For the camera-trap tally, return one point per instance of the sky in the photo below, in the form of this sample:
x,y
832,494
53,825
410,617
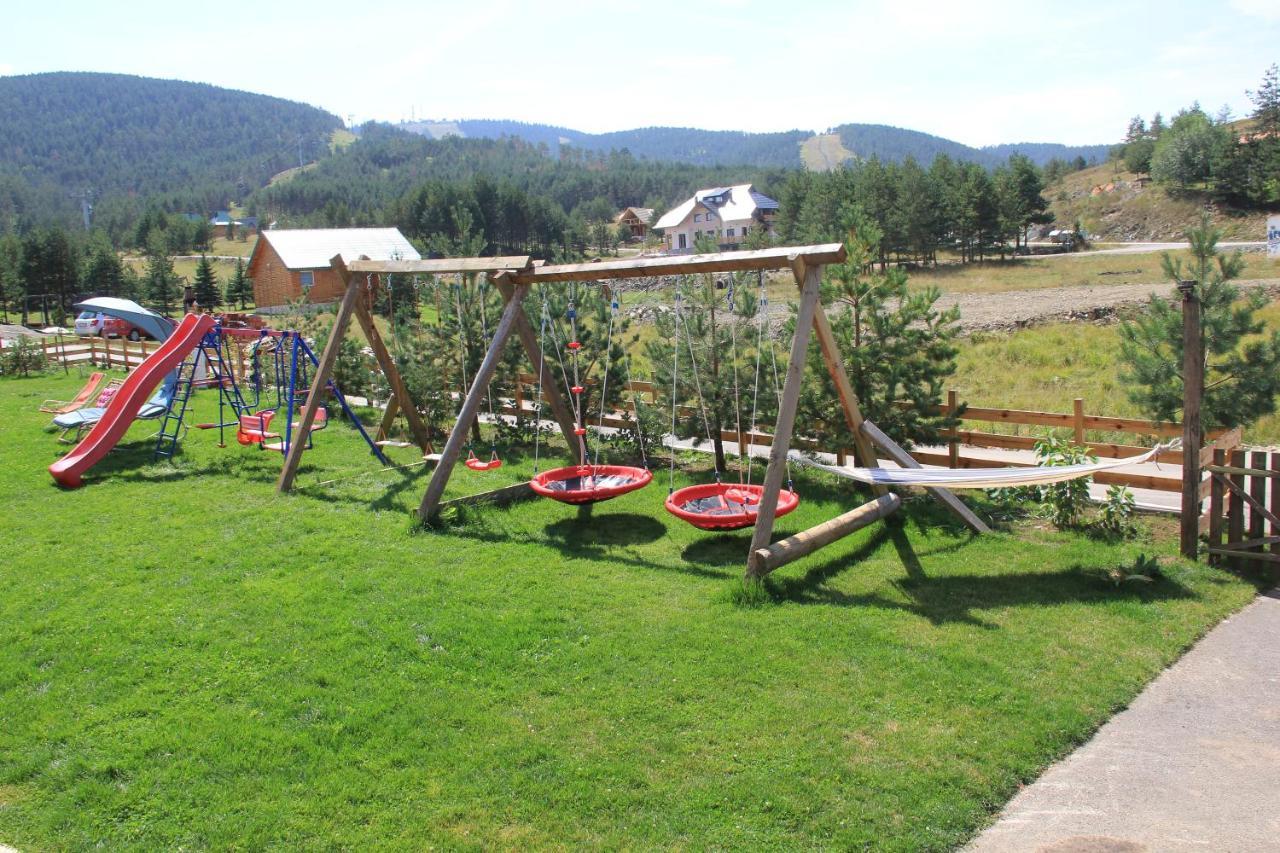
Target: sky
x,y
978,72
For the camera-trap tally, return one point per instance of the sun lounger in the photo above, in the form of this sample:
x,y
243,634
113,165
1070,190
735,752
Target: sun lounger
x,y
61,407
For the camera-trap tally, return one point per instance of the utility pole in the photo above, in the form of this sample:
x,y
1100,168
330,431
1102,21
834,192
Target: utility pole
x,y
1192,392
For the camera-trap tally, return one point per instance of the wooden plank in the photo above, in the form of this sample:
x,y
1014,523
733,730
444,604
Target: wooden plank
x,y
1275,498
844,388
766,560
1228,441
763,531
1017,416
758,259
1251,471
320,380
1216,520
1258,491
1245,555
442,266
550,390
1077,416
421,435
471,405
953,435
1235,498
1236,485
504,495
388,418
942,496
1192,396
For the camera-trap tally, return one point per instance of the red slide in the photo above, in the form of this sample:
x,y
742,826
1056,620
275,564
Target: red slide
x,y
124,406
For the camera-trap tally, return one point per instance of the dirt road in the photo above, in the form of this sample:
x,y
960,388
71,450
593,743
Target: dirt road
x,y
1015,309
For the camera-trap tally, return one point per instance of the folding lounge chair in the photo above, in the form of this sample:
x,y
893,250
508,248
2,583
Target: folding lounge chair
x,y
61,407
82,420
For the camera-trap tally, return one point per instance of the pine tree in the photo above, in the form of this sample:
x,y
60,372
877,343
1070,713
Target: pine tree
x,y
1242,361
161,281
1266,101
208,295
239,288
105,273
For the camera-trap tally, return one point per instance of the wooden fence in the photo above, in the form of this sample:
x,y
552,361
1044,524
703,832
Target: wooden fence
x,y
1243,522
1077,421
102,352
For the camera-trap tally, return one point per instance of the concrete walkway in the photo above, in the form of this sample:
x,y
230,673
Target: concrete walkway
x,y
1192,764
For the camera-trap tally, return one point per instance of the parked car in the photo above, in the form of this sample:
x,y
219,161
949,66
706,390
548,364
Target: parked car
x,y
92,324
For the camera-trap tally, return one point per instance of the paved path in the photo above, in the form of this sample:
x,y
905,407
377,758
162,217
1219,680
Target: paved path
x,y
1192,764
1145,248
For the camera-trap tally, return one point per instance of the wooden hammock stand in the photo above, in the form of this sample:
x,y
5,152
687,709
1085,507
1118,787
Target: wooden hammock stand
x,y
513,276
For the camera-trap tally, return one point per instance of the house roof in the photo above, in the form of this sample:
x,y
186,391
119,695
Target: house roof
x,y
731,203
311,248
644,214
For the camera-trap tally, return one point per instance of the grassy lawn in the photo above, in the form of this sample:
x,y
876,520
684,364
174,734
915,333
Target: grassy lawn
x,y
189,660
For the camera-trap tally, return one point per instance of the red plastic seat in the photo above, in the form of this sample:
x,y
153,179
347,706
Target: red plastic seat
x,y
725,506
477,464
253,428
584,484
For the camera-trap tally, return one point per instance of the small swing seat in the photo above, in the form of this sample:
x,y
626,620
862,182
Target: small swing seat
x,y
725,506
585,484
477,464
254,428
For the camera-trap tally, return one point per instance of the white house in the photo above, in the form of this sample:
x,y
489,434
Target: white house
x,y
725,214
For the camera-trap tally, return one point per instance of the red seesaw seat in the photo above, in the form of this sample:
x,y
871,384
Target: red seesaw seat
x,y
584,484
724,506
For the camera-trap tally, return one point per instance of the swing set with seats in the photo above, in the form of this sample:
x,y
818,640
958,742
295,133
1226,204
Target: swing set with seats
x,y
712,506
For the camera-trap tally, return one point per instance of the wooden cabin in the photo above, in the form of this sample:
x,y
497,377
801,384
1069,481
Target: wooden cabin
x,y
291,265
637,219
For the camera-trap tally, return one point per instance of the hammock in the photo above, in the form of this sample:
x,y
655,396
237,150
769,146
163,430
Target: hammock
x,y
982,478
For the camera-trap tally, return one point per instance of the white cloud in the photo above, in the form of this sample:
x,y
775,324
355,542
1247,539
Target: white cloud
x,y
6,69
1265,9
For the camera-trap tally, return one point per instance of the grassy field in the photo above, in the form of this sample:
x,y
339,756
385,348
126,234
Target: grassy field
x,y
1045,368
189,660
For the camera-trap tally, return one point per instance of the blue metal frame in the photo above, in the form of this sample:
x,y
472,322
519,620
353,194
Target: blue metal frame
x,y
342,401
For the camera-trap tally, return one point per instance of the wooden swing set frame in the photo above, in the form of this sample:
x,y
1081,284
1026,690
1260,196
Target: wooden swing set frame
x,y
513,277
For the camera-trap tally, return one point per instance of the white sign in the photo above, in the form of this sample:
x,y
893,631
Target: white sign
x,y
1273,236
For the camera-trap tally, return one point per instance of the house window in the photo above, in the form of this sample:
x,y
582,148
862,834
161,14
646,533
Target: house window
x,y
307,279
729,232
697,217
744,230
711,217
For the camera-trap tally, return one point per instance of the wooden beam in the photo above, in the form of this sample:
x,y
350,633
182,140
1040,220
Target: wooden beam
x,y
504,495
442,266
533,350
388,364
804,543
757,259
471,405
763,531
1192,396
320,381
943,496
388,418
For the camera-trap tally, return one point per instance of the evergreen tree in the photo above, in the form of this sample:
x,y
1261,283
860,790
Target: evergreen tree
x,y
208,295
104,274
1266,101
10,273
1242,360
896,346
162,283
239,288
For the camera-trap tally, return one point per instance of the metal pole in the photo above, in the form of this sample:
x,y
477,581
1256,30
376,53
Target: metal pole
x,y
1192,393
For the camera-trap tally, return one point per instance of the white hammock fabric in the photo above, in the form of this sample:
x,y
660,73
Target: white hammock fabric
x,y
982,478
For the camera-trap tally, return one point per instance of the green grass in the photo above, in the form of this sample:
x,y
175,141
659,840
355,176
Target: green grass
x,y
189,660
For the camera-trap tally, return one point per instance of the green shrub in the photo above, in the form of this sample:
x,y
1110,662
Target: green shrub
x,y
22,358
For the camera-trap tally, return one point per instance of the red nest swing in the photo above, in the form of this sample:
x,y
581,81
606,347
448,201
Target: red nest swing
x,y
724,506
585,484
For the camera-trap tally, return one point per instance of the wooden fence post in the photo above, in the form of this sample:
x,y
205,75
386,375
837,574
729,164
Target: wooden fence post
x,y
1215,504
953,441
1192,392
1078,416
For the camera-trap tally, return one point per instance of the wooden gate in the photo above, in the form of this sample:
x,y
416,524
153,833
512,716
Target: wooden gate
x,y
1244,500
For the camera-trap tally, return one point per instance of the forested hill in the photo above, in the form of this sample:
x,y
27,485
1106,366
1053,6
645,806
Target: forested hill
x,y
113,135
766,150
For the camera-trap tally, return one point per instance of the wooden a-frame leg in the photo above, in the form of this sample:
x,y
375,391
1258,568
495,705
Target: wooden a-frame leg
x,y
763,532
388,417
324,372
388,364
471,404
529,339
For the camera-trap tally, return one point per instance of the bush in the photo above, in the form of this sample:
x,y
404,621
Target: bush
x,y
22,358
1116,516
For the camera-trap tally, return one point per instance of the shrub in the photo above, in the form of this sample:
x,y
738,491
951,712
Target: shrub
x,y
22,358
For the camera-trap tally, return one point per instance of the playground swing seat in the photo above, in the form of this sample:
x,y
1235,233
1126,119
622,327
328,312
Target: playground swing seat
x,y
721,505
584,483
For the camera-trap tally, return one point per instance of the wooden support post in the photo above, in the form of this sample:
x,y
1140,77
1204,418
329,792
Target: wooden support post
x,y
953,440
1078,421
942,496
1192,393
471,404
388,364
806,542
320,380
1215,502
529,339
388,418
763,532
